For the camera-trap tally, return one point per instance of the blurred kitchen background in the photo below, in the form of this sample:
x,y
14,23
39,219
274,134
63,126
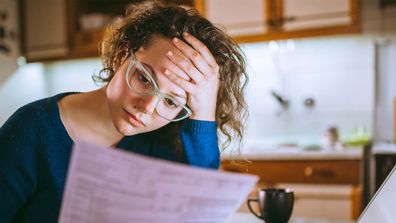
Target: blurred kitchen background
x,y
322,88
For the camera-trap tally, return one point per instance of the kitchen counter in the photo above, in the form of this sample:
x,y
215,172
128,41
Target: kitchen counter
x,y
296,153
384,148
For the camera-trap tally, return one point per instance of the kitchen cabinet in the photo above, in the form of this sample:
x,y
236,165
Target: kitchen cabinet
x,y
307,14
237,17
44,29
260,20
54,29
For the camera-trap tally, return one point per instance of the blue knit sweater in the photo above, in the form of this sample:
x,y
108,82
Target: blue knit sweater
x,y
35,151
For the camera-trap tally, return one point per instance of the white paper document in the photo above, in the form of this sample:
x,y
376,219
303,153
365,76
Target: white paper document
x,y
112,185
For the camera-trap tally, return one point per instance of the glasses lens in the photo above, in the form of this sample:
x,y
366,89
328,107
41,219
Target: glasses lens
x,y
171,109
140,82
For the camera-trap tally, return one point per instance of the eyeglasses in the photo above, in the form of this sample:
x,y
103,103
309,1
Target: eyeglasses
x,y
141,81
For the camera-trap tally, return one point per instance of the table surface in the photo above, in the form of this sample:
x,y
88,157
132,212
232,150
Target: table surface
x,y
250,218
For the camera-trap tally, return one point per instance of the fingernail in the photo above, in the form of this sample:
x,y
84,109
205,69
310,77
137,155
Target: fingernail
x,y
170,53
175,40
185,34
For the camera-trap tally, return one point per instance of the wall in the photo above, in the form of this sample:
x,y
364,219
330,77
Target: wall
x,y
26,84
337,72
34,81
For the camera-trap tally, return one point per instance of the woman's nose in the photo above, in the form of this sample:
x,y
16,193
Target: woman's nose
x,y
148,104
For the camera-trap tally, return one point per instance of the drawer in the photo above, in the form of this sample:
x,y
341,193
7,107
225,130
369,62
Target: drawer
x,y
300,171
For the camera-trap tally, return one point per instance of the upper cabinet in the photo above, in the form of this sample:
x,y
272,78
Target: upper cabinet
x,y
307,14
239,17
69,29
258,20
65,29
44,29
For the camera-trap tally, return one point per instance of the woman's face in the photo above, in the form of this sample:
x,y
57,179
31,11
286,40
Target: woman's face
x,y
132,113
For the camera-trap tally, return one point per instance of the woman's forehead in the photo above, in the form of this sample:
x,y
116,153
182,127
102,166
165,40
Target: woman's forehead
x,y
157,48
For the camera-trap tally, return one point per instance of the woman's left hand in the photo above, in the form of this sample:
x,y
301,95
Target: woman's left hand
x,y
200,65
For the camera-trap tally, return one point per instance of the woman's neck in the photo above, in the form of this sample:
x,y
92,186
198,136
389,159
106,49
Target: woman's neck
x,y
90,118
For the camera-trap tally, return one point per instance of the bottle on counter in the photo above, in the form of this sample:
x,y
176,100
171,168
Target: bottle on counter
x,y
331,139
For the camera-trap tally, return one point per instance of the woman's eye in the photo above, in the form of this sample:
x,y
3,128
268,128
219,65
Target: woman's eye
x,y
170,103
143,79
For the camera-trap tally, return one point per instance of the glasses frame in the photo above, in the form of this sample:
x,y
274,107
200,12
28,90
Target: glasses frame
x,y
135,62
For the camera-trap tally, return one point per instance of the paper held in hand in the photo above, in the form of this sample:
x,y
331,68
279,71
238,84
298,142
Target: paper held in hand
x,y
111,185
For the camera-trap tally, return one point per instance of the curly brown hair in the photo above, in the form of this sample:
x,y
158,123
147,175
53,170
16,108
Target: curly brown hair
x,y
146,19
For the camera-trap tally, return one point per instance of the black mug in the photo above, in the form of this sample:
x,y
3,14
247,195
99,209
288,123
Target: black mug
x,y
276,205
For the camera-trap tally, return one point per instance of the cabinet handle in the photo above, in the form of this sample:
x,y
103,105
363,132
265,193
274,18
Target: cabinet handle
x,y
308,171
325,173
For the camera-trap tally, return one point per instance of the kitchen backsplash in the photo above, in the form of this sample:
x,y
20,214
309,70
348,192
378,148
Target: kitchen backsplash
x,y
324,82
321,82
36,80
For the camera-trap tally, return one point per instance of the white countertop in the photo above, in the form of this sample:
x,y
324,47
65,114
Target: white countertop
x,y
296,153
384,148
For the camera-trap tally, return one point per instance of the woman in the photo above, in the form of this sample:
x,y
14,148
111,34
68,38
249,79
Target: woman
x,y
171,79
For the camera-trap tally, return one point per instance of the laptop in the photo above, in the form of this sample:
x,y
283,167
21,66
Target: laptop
x,y
382,206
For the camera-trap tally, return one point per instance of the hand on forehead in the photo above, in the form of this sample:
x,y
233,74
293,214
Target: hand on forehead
x,y
155,55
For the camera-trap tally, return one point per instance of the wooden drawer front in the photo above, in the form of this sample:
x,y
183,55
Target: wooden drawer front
x,y
300,171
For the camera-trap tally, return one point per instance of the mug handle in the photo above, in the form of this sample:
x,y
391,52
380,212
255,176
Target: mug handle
x,y
251,209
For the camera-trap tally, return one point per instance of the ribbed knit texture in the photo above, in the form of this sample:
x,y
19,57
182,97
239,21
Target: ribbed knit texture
x,y
35,151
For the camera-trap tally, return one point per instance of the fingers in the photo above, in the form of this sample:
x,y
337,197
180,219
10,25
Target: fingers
x,y
194,56
195,61
202,49
177,70
184,68
175,78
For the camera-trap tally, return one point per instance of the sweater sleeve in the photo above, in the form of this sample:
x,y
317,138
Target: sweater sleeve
x,y
17,163
200,143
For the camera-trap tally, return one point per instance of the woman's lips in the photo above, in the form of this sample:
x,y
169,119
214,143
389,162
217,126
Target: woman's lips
x,y
134,120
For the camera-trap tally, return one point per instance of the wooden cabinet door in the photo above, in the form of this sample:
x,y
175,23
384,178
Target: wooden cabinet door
x,y
263,20
45,29
307,14
237,17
